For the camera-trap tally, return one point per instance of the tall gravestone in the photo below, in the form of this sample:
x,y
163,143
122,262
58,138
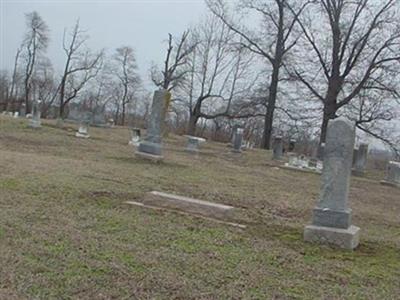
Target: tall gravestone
x,y
35,121
360,160
237,140
151,147
277,148
331,222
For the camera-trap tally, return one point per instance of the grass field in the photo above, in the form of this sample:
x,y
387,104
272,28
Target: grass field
x,y
66,233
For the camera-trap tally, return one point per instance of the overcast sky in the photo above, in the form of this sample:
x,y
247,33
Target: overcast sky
x,y
141,24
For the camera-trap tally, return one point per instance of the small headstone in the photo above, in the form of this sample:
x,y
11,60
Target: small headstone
x,y
392,174
193,143
35,121
237,140
16,114
332,216
360,160
83,131
151,147
135,137
278,148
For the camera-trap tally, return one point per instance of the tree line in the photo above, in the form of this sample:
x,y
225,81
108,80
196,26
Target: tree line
x,y
289,70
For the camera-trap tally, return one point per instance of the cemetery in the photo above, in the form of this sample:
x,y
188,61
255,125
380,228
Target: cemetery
x,y
209,149
89,218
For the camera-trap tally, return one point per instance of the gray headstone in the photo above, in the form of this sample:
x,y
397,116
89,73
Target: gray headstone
x,y
237,140
83,130
332,216
392,174
278,148
135,136
360,159
151,146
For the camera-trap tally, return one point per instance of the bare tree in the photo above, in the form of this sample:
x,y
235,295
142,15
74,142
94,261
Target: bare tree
x,y
125,69
35,43
354,45
218,73
273,43
80,67
13,94
4,89
175,63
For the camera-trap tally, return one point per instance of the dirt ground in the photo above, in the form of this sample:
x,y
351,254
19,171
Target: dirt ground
x,y
66,232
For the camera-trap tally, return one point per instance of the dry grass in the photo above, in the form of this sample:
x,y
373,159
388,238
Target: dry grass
x,y
66,233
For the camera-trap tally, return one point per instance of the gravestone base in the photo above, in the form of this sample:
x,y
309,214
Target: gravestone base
x,y
82,135
343,238
388,183
150,148
148,156
236,150
331,218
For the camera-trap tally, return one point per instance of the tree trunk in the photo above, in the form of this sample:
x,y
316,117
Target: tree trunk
x,y
192,124
269,116
329,114
123,114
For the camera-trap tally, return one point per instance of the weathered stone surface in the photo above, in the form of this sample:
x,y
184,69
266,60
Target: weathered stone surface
x,y
193,143
392,174
360,160
277,148
152,143
237,140
148,156
332,216
135,136
343,238
83,131
336,171
190,205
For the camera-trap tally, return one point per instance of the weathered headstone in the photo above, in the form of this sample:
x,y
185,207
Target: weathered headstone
x,y
392,174
35,121
277,148
360,160
237,140
83,131
331,222
151,147
193,143
135,137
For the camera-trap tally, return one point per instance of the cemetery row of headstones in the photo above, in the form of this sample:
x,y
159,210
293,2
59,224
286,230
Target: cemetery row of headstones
x,y
331,222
